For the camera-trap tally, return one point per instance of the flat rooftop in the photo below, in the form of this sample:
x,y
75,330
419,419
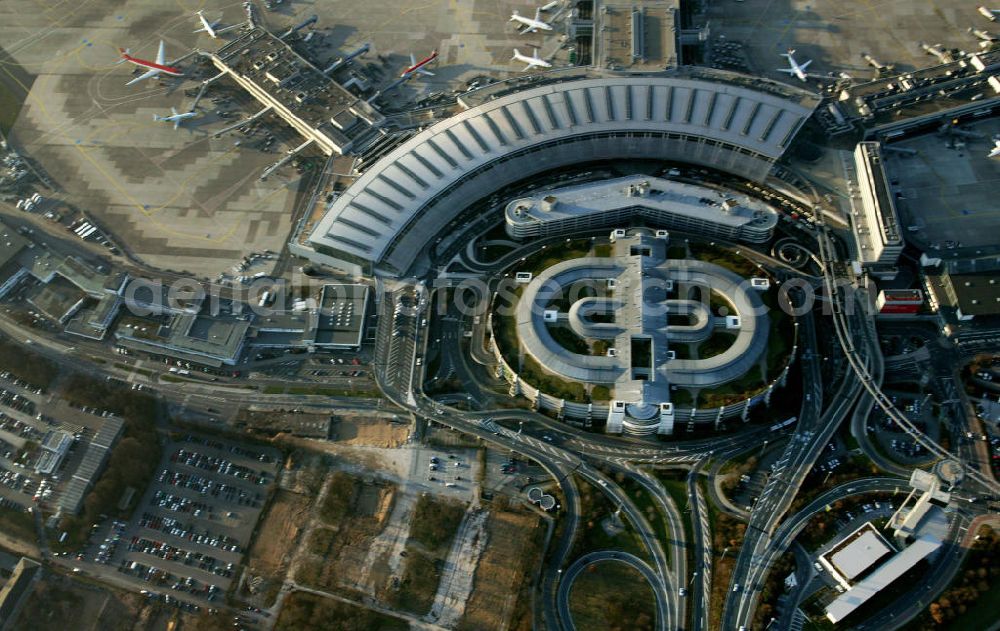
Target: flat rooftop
x,y
895,567
903,295
948,204
978,294
636,35
342,315
699,202
202,338
299,92
859,552
11,244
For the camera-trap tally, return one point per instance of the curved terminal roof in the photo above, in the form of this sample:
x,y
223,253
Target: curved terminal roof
x,y
376,218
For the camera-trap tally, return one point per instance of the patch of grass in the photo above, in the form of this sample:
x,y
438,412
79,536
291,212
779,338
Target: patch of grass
x,y
612,595
591,535
10,107
717,344
600,393
681,398
25,364
647,507
565,337
435,521
339,498
419,582
550,384
19,524
746,386
325,391
302,610
723,257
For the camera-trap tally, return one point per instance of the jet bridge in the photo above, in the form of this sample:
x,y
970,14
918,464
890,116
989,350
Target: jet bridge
x,y
280,163
243,122
204,86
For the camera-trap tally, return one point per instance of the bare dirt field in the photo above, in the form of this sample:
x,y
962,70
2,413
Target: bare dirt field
x,y
276,540
352,515
501,588
369,432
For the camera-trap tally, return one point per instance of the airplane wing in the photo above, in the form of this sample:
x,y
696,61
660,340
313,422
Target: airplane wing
x,y
177,123
538,14
226,29
413,60
204,23
146,75
161,54
805,64
786,70
173,111
425,72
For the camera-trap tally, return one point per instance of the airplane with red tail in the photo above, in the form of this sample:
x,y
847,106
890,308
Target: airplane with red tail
x,y
418,66
153,68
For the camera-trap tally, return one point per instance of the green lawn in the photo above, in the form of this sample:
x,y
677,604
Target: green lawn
x,y
983,614
10,107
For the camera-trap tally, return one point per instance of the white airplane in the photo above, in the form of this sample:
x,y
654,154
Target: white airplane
x,y
985,36
175,117
533,62
796,70
532,25
209,27
153,68
989,14
995,152
418,66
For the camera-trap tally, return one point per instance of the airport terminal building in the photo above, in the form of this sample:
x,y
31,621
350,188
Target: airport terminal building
x,y
383,222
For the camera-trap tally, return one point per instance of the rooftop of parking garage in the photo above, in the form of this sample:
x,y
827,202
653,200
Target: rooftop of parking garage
x,y
696,202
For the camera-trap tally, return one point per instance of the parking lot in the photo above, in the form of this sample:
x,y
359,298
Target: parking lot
x,y
190,530
449,472
27,417
893,440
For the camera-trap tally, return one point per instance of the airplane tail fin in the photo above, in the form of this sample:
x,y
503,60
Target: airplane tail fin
x,y
516,55
791,51
122,52
513,16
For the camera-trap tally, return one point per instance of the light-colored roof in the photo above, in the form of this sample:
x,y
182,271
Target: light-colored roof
x,y
641,307
367,219
881,578
860,554
680,198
